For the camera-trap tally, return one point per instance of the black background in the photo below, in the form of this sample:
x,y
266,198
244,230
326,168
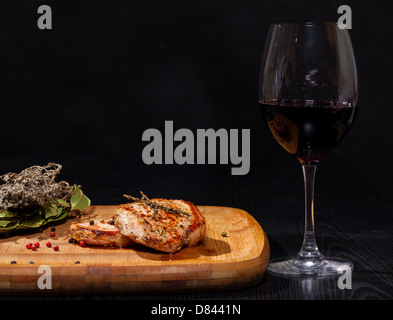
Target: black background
x,y
83,93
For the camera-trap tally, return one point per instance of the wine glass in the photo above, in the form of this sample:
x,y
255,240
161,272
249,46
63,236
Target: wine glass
x,y
308,95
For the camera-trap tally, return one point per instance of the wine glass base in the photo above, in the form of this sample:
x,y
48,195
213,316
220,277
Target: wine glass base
x,y
321,268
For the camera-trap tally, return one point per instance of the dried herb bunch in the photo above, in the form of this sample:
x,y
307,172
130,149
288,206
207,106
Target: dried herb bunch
x,y
32,198
33,187
154,205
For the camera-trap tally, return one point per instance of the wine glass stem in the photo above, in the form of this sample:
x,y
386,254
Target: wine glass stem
x,y
309,251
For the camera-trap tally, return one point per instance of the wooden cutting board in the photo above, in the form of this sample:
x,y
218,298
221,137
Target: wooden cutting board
x,y
218,263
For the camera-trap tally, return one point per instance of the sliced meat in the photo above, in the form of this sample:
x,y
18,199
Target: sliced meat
x,y
99,234
160,229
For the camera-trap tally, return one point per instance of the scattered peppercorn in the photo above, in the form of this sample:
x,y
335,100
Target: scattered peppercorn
x,y
70,240
52,234
33,247
28,246
91,222
82,243
74,241
53,229
37,244
56,248
48,244
111,221
13,262
77,262
224,234
31,262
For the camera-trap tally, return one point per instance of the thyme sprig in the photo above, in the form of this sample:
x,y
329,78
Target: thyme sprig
x,y
155,206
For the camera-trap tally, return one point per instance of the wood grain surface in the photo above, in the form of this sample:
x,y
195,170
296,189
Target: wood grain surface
x,y
236,261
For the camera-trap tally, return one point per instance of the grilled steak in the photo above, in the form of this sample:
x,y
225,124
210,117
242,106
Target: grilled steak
x,y
99,234
161,229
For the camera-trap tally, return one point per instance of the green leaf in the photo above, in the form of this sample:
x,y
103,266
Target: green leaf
x,y
51,210
62,215
5,223
79,201
7,214
8,229
8,226
62,202
8,221
33,222
76,196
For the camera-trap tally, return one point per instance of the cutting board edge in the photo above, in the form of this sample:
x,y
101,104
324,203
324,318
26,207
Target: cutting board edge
x,y
221,277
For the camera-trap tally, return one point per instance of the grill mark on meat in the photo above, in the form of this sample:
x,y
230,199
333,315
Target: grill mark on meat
x,y
159,229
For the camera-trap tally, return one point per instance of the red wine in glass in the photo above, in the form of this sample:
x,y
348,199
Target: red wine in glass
x,y
308,131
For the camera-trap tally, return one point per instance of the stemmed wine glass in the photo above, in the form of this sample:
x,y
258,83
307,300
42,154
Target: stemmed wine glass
x,y
308,95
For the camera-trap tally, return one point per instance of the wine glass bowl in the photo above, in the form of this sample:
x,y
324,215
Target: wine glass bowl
x,y
308,95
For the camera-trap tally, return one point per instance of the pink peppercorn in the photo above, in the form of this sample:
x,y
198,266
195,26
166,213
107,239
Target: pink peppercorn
x,y
48,244
28,246
52,234
82,243
56,248
37,244
33,247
